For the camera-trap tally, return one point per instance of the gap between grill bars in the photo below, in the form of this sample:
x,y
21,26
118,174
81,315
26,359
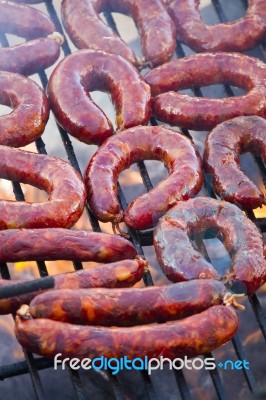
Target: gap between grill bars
x,y
34,365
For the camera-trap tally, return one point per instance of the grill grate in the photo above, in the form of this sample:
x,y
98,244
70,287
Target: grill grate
x,y
33,365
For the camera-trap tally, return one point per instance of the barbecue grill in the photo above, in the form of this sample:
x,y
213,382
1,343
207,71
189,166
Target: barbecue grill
x,y
163,384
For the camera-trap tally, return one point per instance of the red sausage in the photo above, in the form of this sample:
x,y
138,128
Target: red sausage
x,y
88,70
181,261
127,147
63,244
86,29
58,178
40,52
128,307
117,274
30,110
238,35
202,70
192,336
224,144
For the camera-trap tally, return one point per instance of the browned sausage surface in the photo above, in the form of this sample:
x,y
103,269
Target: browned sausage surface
x,y
66,191
30,110
192,336
88,70
224,144
125,148
116,274
81,19
238,35
126,307
181,261
43,48
63,244
202,70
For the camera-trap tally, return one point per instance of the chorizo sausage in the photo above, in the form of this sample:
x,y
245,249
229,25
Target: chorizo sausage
x,y
132,145
116,274
128,307
88,70
63,244
30,110
202,70
238,35
180,260
82,22
43,47
191,336
66,191
223,146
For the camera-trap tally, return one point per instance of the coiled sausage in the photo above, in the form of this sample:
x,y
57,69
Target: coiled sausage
x,y
31,110
181,261
43,48
223,146
202,70
132,145
66,191
82,22
88,70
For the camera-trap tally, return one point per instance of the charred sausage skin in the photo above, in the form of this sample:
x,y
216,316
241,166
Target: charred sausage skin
x,y
205,69
88,70
181,261
132,145
223,146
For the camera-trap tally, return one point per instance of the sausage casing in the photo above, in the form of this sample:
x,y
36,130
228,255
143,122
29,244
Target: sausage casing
x,y
192,336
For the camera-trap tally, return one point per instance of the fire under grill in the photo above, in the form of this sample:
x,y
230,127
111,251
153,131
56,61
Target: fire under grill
x,y
164,384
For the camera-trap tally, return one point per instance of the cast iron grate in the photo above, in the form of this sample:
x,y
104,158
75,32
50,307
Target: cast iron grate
x,y
33,365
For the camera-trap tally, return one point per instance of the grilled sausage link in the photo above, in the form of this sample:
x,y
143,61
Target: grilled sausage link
x,y
132,145
82,22
223,146
112,275
30,110
63,244
127,307
88,70
65,188
202,70
180,260
43,47
192,336
238,35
